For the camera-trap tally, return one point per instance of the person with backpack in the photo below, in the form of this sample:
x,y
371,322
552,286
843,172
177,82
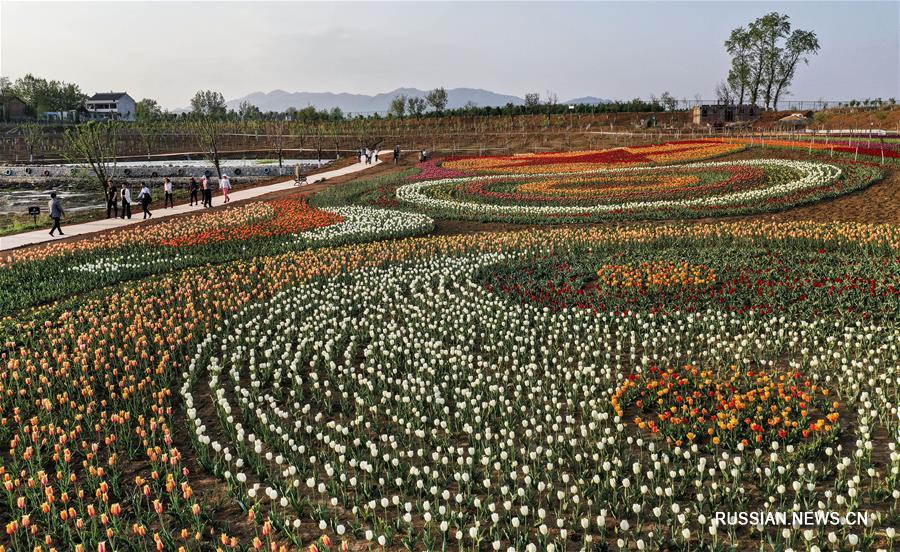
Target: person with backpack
x,y
195,191
167,188
56,213
126,201
146,199
112,200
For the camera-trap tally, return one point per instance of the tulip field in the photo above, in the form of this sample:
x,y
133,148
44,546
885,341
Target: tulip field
x,y
345,381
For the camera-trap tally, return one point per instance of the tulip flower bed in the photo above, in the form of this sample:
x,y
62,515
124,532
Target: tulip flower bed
x,y
866,150
683,151
567,193
259,228
688,405
394,394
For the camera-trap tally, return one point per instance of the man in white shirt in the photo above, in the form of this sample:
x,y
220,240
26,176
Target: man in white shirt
x,y
126,201
167,187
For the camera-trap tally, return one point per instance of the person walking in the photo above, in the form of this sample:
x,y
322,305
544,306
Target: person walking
x,y
56,213
145,198
167,188
396,154
112,199
126,201
225,184
206,188
195,191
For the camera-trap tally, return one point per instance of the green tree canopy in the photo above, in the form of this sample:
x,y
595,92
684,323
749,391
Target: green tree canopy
x,y
208,103
42,95
764,58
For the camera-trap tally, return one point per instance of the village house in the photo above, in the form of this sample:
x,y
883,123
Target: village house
x,y
112,105
722,114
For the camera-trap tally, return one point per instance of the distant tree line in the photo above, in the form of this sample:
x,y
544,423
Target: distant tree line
x,y
41,95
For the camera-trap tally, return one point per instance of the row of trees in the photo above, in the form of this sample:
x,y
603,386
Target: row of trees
x,y
41,95
765,56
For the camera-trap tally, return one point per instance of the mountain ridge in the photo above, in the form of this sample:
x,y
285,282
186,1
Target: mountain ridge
x,y
280,100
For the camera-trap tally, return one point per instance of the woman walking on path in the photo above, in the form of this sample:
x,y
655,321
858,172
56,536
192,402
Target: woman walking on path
x,y
195,191
145,198
167,187
112,200
126,201
56,213
225,184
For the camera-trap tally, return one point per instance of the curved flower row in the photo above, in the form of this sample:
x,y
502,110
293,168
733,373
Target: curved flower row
x,y
364,223
405,404
384,394
274,227
769,184
530,163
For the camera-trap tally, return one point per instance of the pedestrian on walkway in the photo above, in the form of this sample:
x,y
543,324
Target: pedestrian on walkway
x,y
195,191
225,184
126,201
368,156
145,198
396,154
56,213
375,151
112,199
206,188
167,187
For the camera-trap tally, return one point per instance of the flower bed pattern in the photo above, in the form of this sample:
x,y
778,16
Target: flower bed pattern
x,y
258,228
579,161
688,190
386,393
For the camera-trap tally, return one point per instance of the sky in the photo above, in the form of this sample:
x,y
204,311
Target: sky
x,y
618,50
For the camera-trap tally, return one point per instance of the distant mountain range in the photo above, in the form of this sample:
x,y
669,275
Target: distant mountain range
x,y
279,100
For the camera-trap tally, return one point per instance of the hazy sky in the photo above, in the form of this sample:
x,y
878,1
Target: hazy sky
x,y
168,50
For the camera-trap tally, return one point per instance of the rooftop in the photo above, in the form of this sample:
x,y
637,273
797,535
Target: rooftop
x,y
107,96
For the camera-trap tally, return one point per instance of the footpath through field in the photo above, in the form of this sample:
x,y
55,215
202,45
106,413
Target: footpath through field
x,y
40,236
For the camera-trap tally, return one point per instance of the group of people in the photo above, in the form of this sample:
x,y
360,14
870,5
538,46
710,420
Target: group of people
x,y
368,154
121,195
116,195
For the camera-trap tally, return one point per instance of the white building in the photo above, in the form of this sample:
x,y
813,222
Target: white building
x,y
112,105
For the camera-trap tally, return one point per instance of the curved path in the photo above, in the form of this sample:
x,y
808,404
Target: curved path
x,y
40,236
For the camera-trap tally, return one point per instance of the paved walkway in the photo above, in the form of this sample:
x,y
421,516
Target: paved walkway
x,y
40,236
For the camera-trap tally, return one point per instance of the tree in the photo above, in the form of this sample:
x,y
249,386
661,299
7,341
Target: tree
x,y
42,95
208,103
33,134
96,144
336,114
437,99
398,106
668,101
277,131
147,133
765,56
147,110
248,111
208,131
798,47
724,93
532,99
551,100
416,106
